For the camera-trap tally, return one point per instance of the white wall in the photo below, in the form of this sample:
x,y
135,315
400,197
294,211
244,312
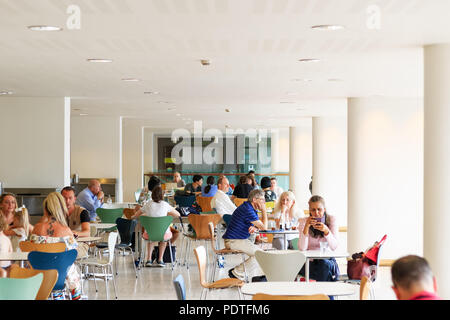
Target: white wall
x,y
385,174
33,139
330,164
96,148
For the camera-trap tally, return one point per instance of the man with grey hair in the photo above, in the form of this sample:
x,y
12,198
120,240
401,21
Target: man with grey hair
x,y
245,221
413,279
91,198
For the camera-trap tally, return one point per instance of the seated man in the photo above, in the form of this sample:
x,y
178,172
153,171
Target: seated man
x,y
275,188
244,221
195,187
78,217
221,201
91,198
243,189
177,179
413,279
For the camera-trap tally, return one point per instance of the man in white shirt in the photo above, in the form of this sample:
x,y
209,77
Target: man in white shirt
x,y
221,201
275,188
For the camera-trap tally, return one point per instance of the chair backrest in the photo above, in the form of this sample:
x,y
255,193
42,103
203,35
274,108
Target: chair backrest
x,y
239,201
200,255
199,223
93,230
109,215
28,246
60,261
211,234
280,265
270,204
20,289
128,212
48,282
180,287
263,296
184,201
205,203
227,218
112,239
364,288
126,228
156,227
294,243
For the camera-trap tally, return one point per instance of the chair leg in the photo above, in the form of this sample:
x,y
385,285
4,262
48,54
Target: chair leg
x,y
115,264
95,282
114,282
132,261
245,271
106,282
170,250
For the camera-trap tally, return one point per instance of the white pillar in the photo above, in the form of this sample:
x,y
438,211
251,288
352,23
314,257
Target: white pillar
x,y
385,175
437,163
300,162
329,166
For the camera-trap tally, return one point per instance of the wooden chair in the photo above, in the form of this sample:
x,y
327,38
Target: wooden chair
x,y
200,255
199,223
239,201
28,246
222,252
364,288
49,281
205,203
263,296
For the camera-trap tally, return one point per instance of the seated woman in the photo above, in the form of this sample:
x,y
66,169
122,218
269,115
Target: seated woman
x,y
5,247
287,214
243,189
319,226
210,189
21,227
158,208
53,228
8,206
269,195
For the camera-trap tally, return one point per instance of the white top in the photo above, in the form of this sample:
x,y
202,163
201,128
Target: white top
x,y
18,237
291,288
222,203
157,209
5,249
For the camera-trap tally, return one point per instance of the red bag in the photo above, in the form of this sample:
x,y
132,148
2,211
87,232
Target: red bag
x,y
372,253
358,268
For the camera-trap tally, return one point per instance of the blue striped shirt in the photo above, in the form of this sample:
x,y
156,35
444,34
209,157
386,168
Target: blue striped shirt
x,y
241,221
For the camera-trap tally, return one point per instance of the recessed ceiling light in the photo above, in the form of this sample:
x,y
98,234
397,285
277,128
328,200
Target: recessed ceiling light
x,y
99,60
205,62
151,92
308,60
76,109
131,79
171,108
44,28
163,102
327,27
5,92
227,110
302,80
83,114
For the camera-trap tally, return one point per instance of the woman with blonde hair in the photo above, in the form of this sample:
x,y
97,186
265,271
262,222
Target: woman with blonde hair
x,y
8,205
52,228
286,213
21,228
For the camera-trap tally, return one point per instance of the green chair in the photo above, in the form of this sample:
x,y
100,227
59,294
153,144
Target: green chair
x,y
108,216
20,289
294,243
156,227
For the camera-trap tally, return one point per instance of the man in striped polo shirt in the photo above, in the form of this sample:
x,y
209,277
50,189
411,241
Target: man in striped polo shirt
x,y
245,221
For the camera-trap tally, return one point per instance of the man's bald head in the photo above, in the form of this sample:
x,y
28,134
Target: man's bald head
x,y
94,186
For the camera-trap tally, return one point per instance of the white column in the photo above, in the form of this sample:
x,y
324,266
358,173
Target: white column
x,y
385,175
67,112
437,164
300,162
329,166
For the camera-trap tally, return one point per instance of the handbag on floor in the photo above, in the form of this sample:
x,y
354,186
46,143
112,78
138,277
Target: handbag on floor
x,y
361,262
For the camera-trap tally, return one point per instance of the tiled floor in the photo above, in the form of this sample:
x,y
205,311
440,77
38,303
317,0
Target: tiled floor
x,y
156,283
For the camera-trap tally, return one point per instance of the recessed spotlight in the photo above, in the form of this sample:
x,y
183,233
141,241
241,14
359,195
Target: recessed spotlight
x,y
163,102
131,79
330,27
99,60
84,114
76,109
151,92
171,108
227,110
205,62
302,80
3,93
309,60
44,28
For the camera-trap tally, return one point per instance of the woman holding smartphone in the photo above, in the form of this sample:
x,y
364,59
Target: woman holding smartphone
x,y
319,227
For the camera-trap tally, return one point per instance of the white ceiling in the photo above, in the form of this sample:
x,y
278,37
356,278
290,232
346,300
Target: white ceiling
x,y
254,47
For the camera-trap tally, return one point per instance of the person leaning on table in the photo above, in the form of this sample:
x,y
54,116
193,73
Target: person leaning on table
x,y
244,221
312,232
413,279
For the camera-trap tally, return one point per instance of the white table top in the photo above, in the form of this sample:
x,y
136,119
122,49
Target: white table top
x,y
292,288
278,231
103,225
88,239
316,254
22,256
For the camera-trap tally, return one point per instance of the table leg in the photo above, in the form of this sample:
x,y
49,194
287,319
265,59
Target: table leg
x,y
307,270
